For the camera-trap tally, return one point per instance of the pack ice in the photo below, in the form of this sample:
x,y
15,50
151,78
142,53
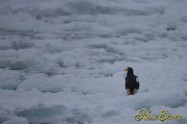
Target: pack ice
x,y
62,61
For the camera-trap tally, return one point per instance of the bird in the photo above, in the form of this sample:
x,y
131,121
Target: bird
x,y
131,82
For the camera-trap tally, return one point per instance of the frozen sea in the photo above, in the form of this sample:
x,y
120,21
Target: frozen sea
x,y
62,61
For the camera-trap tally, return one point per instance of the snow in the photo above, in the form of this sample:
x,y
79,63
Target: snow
x,y
17,120
62,62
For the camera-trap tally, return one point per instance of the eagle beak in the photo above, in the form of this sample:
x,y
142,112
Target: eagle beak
x,y
126,69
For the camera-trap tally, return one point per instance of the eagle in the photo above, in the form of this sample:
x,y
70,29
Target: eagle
x,y
131,82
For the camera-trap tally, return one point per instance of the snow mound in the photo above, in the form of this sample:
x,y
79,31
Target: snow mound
x,y
54,114
10,79
17,120
43,84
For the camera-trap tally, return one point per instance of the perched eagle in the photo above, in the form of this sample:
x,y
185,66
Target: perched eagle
x,y
131,82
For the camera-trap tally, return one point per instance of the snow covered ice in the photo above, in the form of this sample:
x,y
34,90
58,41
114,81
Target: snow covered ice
x,y
62,61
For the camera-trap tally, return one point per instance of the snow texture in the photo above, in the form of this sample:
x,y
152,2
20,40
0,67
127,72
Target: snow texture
x,y
62,61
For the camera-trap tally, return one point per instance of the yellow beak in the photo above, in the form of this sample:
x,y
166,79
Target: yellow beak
x,y
126,69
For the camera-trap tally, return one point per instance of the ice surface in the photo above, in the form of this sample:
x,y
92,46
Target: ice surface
x,y
62,62
16,120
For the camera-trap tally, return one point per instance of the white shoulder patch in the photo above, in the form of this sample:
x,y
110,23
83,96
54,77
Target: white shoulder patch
x,y
137,80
